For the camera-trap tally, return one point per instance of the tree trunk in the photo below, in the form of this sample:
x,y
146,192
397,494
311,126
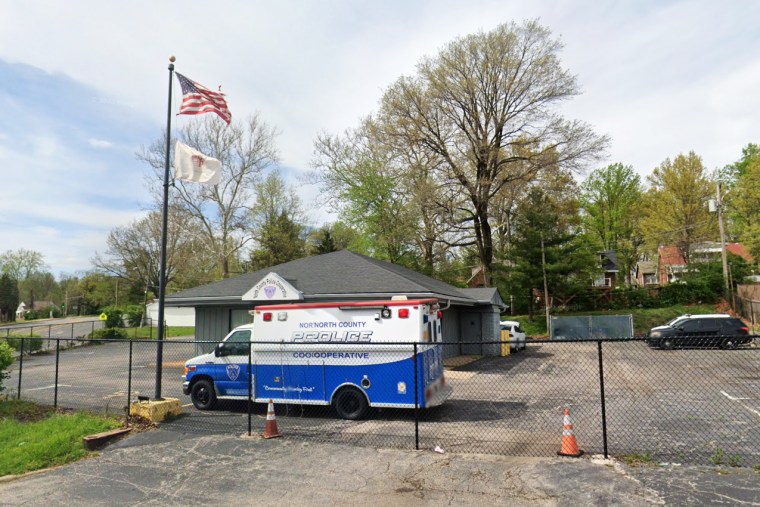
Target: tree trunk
x,y
225,268
484,238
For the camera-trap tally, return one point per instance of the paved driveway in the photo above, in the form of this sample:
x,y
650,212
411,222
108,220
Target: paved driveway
x,y
169,468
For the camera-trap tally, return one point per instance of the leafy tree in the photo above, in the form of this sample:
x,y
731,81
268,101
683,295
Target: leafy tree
x,y
368,191
97,292
610,200
9,299
38,286
745,202
734,172
21,265
321,241
219,213
675,205
331,238
276,220
570,264
485,109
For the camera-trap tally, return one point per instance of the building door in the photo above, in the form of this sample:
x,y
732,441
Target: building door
x,y
472,334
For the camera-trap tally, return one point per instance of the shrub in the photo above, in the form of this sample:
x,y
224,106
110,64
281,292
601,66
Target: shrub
x,y
6,360
133,314
31,344
109,333
114,317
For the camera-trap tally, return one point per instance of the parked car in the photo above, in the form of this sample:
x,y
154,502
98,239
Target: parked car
x,y
516,334
711,330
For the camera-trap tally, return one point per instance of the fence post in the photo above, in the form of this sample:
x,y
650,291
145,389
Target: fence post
x,y
57,360
129,381
416,402
250,390
601,388
92,331
20,368
72,331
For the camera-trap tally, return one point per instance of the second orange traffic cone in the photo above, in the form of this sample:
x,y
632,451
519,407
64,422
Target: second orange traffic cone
x,y
569,445
270,430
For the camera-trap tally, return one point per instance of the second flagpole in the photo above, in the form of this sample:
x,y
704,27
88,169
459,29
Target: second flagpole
x,y
164,221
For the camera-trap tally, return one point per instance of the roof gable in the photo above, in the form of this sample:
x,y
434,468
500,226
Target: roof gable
x,y
609,260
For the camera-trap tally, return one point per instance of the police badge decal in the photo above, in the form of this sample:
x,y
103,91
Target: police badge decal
x,y
233,371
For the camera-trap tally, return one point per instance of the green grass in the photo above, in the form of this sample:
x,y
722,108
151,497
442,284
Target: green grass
x,y
643,318
637,459
33,437
150,333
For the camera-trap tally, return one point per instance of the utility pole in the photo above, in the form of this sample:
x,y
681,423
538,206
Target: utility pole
x,y
546,285
723,246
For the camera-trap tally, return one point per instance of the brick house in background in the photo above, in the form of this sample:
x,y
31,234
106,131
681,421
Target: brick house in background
x,y
671,264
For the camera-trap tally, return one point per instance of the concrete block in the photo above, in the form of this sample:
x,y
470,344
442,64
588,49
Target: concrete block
x,y
156,410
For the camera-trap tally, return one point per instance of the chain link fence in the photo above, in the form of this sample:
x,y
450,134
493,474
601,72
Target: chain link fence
x,y
41,337
695,404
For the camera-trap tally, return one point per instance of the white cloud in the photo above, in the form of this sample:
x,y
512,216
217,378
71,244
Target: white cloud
x,y
99,143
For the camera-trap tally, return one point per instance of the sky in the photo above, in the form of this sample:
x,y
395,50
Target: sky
x,y
83,86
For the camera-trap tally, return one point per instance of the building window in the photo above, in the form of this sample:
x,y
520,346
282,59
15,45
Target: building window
x,y
602,282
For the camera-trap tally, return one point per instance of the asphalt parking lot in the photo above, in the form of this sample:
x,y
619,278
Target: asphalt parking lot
x,y
684,406
165,467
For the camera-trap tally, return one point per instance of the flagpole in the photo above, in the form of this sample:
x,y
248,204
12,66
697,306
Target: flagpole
x,y
164,218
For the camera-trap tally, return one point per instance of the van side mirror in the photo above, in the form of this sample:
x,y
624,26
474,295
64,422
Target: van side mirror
x,y
218,349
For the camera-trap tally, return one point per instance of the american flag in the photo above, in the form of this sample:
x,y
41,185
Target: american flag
x,y
197,99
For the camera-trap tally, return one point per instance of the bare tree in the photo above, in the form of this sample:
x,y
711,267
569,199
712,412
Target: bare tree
x,y
245,150
484,107
132,253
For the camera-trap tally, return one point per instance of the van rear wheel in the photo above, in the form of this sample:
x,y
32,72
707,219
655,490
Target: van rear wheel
x,y
203,395
350,403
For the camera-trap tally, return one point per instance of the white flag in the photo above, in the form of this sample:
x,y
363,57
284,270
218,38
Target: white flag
x,y
192,165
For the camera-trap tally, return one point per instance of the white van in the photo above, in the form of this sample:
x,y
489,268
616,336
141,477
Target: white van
x,y
352,355
516,334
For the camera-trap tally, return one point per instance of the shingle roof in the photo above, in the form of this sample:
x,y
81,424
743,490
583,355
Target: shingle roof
x,y
740,250
609,260
646,267
485,295
335,273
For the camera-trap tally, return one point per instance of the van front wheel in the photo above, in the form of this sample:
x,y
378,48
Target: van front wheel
x,y
203,395
350,403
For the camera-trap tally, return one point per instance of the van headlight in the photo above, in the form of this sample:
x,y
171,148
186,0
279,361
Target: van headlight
x,y
655,334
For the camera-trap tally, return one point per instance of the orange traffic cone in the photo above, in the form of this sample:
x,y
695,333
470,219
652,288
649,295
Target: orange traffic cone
x,y
271,431
569,445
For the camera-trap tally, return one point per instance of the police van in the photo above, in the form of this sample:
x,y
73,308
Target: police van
x,y
351,355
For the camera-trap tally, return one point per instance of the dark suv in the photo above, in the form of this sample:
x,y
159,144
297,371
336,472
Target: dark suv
x,y
715,330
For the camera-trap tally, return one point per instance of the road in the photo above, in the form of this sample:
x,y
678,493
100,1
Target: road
x,y
693,406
